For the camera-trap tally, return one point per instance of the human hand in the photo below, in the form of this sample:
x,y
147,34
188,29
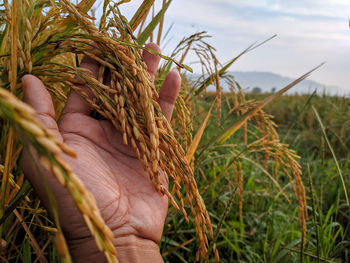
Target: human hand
x,y
128,202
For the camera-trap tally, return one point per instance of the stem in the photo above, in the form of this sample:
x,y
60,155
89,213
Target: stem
x,y
333,154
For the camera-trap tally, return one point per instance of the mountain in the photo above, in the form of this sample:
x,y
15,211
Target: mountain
x,y
267,81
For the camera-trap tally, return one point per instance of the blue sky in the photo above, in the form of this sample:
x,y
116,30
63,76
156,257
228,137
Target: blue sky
x,y
309,32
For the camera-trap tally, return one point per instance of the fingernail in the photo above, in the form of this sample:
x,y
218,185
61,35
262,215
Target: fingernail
x,y
25,79
175,70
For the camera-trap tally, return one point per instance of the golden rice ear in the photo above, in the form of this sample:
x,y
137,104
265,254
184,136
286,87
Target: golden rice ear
x,y
22,119
131,105
48,38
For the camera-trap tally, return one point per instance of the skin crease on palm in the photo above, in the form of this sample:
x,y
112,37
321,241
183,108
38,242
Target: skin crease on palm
x,y
127,200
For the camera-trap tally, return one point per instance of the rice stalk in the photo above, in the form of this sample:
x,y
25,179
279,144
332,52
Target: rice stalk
x,y
267,143
33,241
67,29
263,123
50,45
150,136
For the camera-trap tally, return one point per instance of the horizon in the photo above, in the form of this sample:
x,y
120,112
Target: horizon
x,y
268,81
309,32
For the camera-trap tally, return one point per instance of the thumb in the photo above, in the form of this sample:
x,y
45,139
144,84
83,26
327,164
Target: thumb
x,y
36,95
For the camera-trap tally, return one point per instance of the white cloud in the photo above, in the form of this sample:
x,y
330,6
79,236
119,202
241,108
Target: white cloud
x,y
309,32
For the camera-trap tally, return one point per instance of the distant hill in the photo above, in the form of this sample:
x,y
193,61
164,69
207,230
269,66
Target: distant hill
x,y
267,81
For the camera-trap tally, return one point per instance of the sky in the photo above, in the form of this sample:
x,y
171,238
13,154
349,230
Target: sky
x,y
309,32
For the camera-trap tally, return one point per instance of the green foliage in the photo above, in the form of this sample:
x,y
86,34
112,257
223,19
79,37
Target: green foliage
x,y
269,231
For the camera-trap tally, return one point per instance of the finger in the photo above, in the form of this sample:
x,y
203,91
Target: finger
x,y
36,95
75,102
168,93
152,61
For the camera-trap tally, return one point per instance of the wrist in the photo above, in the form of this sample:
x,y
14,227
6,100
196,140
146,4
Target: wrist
x,y
129,249
136,249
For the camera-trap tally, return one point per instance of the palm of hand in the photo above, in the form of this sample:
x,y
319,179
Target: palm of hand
x,y
121,187
124,193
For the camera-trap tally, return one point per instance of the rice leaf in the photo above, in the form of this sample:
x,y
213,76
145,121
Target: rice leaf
x,y
160,29
141,13
244,118
194,145
152,25
85,5
223,70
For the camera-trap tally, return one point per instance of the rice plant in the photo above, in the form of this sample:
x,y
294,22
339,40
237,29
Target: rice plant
x,y
48,38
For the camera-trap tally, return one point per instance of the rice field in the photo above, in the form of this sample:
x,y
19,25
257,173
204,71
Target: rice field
x,y
248,178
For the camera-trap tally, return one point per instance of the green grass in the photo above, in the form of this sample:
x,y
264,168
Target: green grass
x,y
269,230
